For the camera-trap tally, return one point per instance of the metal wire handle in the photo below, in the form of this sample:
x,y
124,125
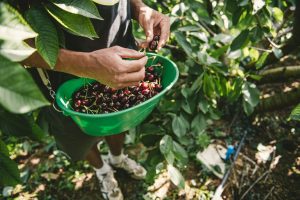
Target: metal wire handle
x,y
46,81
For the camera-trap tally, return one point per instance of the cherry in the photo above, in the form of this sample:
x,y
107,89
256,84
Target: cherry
x,y
98,98
150,69
145,92
127,92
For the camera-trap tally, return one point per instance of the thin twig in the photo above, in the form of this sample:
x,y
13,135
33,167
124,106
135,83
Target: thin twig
x,y
257,180
269,193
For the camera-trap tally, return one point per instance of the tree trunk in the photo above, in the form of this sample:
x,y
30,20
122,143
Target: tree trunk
x,y
279,74
279,101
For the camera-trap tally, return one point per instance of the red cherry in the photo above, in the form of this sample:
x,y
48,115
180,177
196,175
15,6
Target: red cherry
x,y
145,91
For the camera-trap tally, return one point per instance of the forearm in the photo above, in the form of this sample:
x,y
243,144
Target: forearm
x,y
68,61
136,5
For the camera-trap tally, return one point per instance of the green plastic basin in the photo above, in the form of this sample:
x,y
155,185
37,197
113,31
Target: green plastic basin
x,y
120,121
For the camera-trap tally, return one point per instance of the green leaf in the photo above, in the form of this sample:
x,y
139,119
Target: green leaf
x,y
181,39
203,105
180,153
261,60
20,125
15,50
250,93
240,41
12,24
295,114
76,24
179,126
47,40
199,123
106,2
9,171
166,144
19,93
166,147
176,176
3,148
248,108
85,8
277,14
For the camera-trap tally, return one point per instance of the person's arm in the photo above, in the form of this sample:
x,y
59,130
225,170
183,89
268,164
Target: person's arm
x,y
105,65
153,23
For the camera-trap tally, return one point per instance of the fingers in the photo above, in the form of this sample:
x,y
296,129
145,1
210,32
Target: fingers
x,y
165,32
128,53
133,77
134,65
123,85
148,29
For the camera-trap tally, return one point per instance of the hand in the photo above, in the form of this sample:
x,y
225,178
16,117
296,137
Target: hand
x,y
153,23
109,67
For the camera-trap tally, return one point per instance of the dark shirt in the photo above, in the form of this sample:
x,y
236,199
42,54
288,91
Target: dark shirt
x,y
115,29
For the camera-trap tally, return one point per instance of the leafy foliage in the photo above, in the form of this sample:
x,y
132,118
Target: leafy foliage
x,y
76,24
47,40
84,8
14,96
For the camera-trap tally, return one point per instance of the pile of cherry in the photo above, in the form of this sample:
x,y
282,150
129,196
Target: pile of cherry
x,y
96,98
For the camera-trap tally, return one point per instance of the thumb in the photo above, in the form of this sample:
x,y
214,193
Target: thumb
x,y
130,53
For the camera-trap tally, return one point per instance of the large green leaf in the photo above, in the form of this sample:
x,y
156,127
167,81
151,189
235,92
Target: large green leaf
x,y
15,50
166,147
250,93
47,40
199,123
18,91
295,115
180,153
179,126
181,39
20,125
12,25
250,97
85,8
176,176
9,171
76,24
240,41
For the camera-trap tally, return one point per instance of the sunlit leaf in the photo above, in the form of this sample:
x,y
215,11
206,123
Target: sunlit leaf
x,y
295,114
85,8
106,2
15,50
12,24
76,24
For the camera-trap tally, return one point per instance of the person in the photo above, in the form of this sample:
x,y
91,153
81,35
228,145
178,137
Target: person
x,y
102,59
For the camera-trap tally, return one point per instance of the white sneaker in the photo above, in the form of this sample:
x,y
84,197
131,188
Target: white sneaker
x,y
132,167
109,186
